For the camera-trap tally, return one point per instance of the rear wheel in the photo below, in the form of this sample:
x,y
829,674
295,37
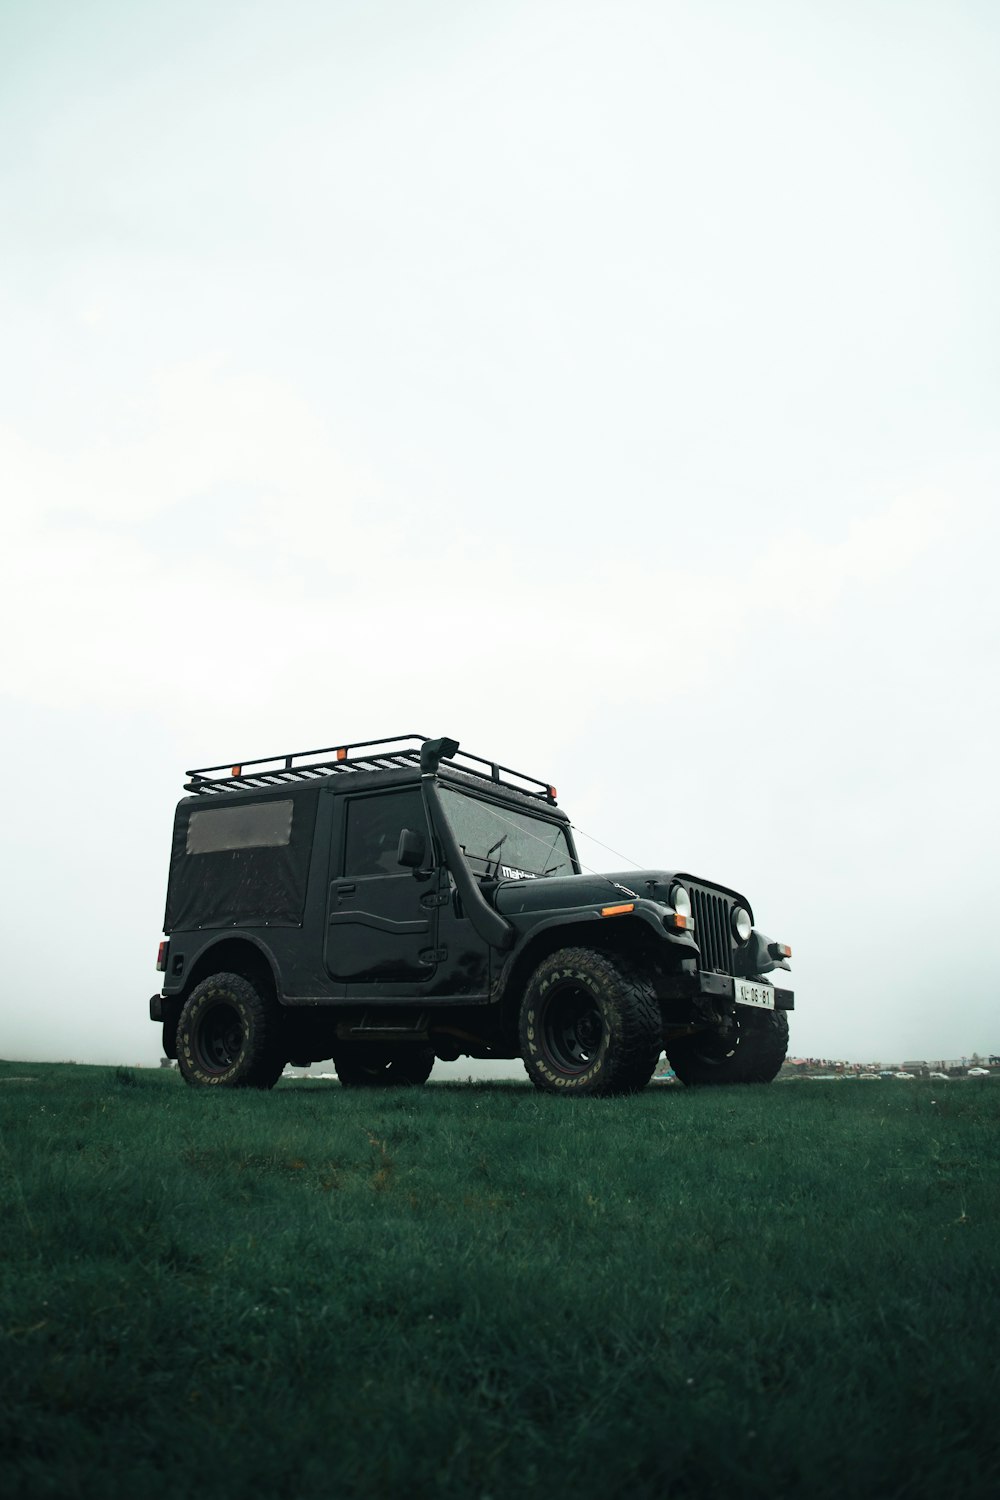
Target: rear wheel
x,y
383,1065
229,1035
750,1049
589,1024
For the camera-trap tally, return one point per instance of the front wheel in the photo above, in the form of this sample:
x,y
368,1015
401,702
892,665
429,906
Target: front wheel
x,y
384,1065
229,1035
589,1024
750,1049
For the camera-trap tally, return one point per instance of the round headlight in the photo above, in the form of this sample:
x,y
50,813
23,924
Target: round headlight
x,y
742,925
681,900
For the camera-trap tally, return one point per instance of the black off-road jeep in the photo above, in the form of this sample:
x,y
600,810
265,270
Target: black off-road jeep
x,y
397,901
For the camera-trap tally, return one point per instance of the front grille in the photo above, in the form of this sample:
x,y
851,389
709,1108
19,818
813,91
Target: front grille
x,y
713,929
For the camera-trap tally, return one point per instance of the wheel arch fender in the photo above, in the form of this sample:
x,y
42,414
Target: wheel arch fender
x,y
625,936
245,955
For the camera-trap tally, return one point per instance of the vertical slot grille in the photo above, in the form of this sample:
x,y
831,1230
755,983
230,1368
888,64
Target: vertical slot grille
x,y
712,914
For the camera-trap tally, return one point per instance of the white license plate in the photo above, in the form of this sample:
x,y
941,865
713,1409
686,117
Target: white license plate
x,y
747,992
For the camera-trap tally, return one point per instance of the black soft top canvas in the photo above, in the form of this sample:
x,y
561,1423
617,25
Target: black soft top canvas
x,y
241,860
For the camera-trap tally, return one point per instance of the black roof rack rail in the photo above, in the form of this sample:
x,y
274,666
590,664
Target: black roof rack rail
x,y
387,754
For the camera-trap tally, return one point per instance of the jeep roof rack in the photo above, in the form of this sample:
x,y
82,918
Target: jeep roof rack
x,y
389,754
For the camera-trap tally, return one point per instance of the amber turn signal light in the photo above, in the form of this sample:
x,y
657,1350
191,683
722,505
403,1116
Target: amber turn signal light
x,y
616,911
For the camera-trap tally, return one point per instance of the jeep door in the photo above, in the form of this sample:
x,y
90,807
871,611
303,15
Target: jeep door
x,y
381,920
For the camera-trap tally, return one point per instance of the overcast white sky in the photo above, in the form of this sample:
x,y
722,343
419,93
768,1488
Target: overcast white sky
x,y
612,386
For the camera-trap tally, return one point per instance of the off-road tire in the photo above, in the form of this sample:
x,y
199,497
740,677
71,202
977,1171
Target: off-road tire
x,y
230,1036
751,1052
589,1024
375,1065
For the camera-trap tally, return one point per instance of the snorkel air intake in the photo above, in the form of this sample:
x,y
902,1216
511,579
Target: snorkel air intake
x,y
433,752
490,926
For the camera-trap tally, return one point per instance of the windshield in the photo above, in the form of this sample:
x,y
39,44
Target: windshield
x,y
506,842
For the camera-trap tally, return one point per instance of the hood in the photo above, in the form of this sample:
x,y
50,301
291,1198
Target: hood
x,y
561,892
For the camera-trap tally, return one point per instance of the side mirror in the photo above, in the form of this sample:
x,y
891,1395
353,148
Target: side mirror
x,y
411,849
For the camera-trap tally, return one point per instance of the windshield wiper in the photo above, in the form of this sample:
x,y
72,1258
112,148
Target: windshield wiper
x,y
496,848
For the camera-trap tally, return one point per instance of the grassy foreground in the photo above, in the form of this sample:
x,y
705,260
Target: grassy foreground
x,y
480,1291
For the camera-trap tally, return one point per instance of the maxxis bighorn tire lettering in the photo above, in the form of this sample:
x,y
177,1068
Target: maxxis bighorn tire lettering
x,y
383,1066
589,1024
230,1036
751,1052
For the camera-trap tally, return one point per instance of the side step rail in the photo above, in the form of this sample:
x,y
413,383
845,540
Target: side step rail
x,y
408,1027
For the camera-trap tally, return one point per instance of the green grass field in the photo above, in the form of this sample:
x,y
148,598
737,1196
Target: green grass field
x,y
481,1291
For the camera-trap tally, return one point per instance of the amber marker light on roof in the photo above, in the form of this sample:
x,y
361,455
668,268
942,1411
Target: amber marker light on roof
x,y
616,911
237,770
341,754
552,793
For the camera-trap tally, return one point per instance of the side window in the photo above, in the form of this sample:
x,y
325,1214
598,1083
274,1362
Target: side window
x,y
373,828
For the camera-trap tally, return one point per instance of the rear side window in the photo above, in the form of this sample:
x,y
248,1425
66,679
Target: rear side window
x,y
373,828
261,825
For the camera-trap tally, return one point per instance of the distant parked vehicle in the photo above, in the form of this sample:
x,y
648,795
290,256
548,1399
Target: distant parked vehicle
x,y
937,1075
979,1073
904,1075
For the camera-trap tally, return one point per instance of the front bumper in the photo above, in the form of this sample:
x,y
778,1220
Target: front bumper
x,y
722,987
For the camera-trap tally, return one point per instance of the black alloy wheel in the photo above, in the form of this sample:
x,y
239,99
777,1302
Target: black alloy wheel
x,y
218,1041
230,1035
572,1028
749,1048
589,1024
